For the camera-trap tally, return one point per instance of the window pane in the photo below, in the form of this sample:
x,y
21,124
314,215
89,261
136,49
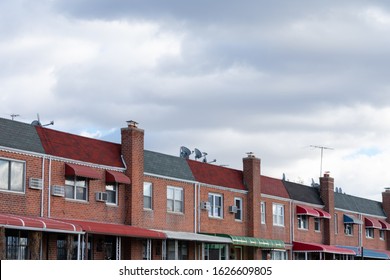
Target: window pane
x,y
110,187
17,176
81,182
169,193
169,204
178,206
147,189
69,191
111,197
178,194
81,193
147,202
4,167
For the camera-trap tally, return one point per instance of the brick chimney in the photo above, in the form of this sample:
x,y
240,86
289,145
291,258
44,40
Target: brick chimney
x,y
133,155
327,196
386,209
251,176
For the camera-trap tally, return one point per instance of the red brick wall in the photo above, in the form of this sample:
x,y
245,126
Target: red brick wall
x,y
29,202
327,196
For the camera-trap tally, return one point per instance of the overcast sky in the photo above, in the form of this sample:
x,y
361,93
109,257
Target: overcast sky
x,y
227,77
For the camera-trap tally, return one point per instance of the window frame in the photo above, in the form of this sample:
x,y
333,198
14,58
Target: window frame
x,y
303,222
148,196
114,191
262,213
370,233
9,174
348,229
175,199
212,211
238,215
317,224
278,218
75,187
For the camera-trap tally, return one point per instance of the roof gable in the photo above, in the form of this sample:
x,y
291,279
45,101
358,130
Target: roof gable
x,y
80,148
216,175
166,165
21,136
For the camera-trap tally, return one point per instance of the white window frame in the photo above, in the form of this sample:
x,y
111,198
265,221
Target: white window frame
x,y
213,211
75,187
382,234
303,222
278,214
114,190
370,233
238,215
317,224
175,199
148,195
262,212
348,229
8,173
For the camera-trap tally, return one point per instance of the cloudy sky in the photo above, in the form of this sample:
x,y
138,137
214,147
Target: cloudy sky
x,y
227,77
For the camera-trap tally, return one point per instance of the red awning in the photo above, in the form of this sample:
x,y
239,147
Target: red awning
x,y
117,229
117,177
372,223
311,247
304,210
38,224
82,171
385,225
323,214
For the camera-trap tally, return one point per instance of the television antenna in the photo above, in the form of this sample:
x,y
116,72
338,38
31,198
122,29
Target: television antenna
x,y
13,116
322,148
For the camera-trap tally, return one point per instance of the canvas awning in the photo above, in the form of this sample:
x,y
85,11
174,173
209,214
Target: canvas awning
x,y
117,177
314,247
352,220
368,253
180,235
82,171
323,214
255,242
372,223
305,210
385,225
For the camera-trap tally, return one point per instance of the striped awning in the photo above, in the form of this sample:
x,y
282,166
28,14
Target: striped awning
x,y
255,242
192,236
305,210
349,219
372,223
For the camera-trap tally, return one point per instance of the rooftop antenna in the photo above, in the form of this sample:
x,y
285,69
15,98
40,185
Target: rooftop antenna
x,y
13,116
198,154
322,148
38,122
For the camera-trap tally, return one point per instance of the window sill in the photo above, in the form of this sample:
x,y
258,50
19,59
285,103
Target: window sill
x,y
13,192
77,200
304,229
111,204
175,213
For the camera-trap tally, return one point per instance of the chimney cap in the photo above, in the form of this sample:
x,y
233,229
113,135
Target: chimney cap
x,y
132,123
387,189
250,154
327,174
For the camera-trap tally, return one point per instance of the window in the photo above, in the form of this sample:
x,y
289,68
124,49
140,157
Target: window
x,y
12,175
216,202
175,199
76,188
303,222
176,250
238,204
317,224
278,214
369,232
214,251
16,245
262,212
147,195
348,229
112,193
381,234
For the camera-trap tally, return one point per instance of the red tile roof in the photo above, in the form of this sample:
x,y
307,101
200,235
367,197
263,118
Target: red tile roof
x,y
70,146
216,175
274,187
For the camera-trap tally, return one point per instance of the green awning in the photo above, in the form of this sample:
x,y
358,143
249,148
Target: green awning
x,y
255,242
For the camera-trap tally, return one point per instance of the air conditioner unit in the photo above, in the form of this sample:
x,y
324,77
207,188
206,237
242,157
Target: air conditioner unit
x,y
233,209
101,196
35,183
205,205
58,191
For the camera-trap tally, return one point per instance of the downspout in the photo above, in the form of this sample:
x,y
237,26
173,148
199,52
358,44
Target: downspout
x,y
199,219
195,216
43,186
49,190
292,230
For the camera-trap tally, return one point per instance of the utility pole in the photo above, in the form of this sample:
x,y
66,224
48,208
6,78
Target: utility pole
x,y
322,154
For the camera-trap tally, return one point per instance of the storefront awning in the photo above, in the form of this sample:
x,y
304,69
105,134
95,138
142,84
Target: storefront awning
x,y
352,220
369,253
117,229
117,177
180,235
372,223
385,225
305,210
255,242
38,224
323,214
313,247
82,171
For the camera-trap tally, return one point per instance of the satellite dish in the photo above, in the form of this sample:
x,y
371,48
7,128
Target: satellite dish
x,y
198,154
185,152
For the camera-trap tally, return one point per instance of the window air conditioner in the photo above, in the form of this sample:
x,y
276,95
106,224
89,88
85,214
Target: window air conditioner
x,y
233,209
35,183
101,196
58,191
205,205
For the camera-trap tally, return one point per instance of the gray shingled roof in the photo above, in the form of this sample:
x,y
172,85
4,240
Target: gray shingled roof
x,y
166,165
358,204
21,136
303,193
